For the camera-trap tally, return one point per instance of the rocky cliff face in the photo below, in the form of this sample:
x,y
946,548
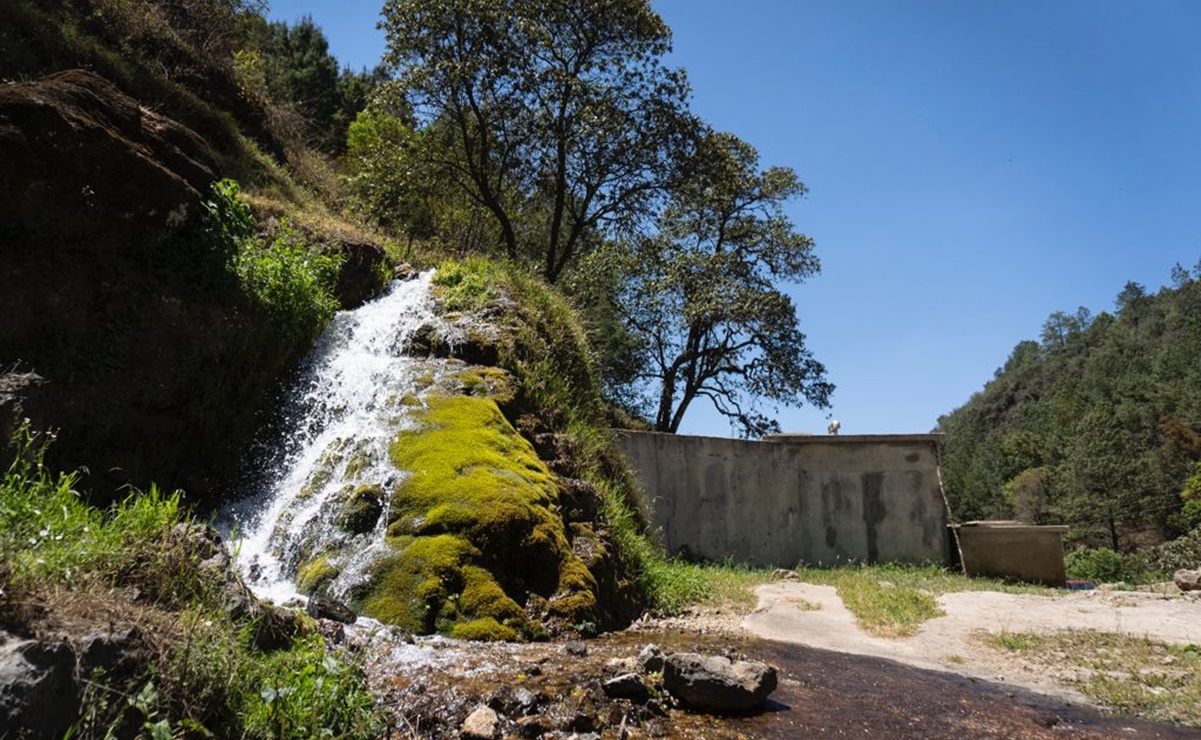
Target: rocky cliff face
x,y
153,361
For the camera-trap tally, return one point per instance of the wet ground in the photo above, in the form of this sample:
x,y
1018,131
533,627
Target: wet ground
x,y
541,690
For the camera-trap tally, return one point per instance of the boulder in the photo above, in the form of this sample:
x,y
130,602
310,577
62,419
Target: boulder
x,y
651,658
1188,580
717,684
39,695
626,686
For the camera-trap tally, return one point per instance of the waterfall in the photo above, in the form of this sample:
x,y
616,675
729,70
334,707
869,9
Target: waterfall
x,y
356,391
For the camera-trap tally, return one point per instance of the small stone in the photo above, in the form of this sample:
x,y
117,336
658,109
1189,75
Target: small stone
x,y
782,574
576,648
626,686
481,724
651,658
323,607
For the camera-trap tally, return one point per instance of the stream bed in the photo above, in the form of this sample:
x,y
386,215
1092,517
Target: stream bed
x,y
429,686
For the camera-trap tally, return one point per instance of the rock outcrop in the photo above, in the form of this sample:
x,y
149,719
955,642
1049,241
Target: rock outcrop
x,y
82,160
155,362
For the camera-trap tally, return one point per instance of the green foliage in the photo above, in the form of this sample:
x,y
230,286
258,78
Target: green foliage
x,y
702,297
287,278
559,118
292,281
305,692
1092,426
1102,565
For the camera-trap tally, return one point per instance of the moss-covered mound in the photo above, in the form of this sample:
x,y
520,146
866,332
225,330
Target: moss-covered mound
x,y
482,551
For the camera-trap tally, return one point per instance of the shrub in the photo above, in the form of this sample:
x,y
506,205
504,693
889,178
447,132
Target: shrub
x,y
290,280
1103,565
1182,553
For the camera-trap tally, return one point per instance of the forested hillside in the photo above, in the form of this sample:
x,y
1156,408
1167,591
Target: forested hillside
x,y
1096,424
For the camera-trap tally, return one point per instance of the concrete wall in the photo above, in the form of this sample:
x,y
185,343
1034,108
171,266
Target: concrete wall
x,y
795,498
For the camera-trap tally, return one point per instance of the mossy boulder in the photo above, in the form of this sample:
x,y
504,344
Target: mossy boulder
x,y
477,531
362,509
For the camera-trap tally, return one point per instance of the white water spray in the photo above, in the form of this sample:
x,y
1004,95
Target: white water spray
x,y
353,397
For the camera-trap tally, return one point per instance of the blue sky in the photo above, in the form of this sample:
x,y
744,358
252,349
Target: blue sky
x,y
972,166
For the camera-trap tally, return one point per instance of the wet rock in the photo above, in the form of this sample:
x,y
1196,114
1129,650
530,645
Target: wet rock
x,y
651,658
39,696
359,277
1187,580
481,724
715,683
576,648
515,701
362,510
626,686
404,271
320,606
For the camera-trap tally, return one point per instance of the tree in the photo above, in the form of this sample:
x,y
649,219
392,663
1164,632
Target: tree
x,y
565,117
702,295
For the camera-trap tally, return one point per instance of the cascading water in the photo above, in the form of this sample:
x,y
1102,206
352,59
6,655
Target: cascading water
x,y
353,397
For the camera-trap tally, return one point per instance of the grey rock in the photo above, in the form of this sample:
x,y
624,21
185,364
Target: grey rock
x,y
1188,580
320,606
651,658
482,724
715,683
626,686
39,694
576,648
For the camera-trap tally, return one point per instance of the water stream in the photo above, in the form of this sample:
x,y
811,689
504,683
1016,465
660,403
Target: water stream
x,y
353,395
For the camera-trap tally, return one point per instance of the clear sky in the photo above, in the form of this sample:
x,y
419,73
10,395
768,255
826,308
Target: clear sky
x,y
972,166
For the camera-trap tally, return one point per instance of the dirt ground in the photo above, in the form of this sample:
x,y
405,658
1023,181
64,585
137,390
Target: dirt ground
x,y
806,614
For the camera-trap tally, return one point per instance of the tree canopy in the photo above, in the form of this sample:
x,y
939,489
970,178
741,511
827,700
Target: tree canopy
x,y
564,115
701,293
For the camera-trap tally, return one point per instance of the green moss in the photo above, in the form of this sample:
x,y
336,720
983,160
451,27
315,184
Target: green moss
x,y
490,382
486,629
413,588
476,529
484,597
315,573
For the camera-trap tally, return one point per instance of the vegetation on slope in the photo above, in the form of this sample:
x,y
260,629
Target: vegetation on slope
x,y
1096,425
183,650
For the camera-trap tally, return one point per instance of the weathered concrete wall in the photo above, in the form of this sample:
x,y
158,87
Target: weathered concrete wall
x,y
795,498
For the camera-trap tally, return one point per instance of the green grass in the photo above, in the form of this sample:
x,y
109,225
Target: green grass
x,y
1134,675
894,600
